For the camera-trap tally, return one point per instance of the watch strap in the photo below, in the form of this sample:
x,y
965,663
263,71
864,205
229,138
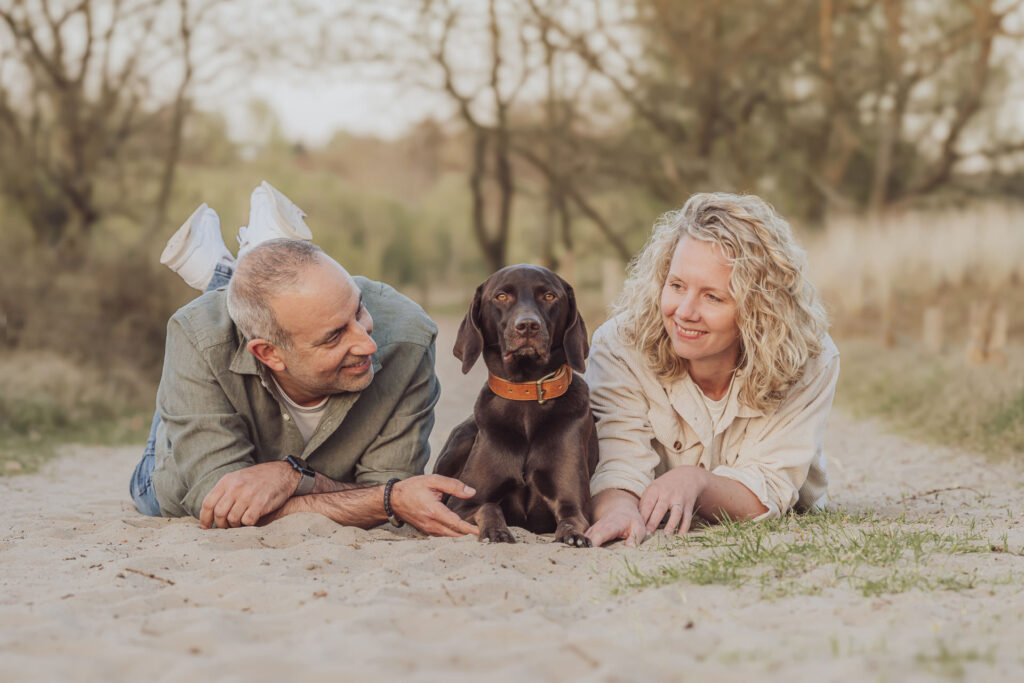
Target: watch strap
x,y
307,478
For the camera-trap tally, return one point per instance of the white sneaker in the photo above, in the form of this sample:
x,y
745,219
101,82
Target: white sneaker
x,y
195,249
271,216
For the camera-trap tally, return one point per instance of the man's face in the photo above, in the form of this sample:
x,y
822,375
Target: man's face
x,y
330,330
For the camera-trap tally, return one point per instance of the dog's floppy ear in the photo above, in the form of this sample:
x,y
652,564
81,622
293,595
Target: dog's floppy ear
x,y
470,341
575,340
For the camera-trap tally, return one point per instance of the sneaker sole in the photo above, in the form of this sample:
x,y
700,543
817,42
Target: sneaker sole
x,y
279,201
174,253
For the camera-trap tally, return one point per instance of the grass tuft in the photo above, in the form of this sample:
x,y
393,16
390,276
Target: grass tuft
x,y
806,554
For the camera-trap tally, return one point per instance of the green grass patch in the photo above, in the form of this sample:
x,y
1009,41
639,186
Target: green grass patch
x,y
939,399
806,554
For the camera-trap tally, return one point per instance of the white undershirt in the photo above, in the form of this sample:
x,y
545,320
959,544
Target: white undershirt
x,y
716,409
306,419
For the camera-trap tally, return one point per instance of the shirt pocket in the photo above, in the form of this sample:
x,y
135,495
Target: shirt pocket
x,y
668,430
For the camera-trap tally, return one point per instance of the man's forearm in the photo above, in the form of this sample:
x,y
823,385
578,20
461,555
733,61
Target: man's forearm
x,y
325,484
353,506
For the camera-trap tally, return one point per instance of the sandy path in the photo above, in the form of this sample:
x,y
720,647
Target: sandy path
x,y
90,590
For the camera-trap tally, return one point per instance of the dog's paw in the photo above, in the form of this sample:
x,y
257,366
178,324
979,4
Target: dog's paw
x,y
496,536
572,537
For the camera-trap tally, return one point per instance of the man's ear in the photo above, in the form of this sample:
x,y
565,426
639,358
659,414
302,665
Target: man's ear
x,y
266,353
470,341
574,342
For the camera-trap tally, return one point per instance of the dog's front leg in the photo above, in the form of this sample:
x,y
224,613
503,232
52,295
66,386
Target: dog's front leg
x,y
493,528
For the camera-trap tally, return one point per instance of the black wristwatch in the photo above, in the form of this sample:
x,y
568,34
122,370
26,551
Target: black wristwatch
x,y
308,479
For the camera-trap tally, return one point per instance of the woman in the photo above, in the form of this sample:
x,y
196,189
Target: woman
x,y
713,382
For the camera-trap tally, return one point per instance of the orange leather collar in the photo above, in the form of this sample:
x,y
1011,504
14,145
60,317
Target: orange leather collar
x,y
547,387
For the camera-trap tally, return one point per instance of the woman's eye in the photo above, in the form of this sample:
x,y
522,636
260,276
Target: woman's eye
x,y
714,298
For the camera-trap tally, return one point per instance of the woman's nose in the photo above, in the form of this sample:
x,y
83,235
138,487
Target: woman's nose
x,y
687,308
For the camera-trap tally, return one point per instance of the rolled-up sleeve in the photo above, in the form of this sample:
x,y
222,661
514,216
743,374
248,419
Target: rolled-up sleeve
x,y
207,435
618,401
773,462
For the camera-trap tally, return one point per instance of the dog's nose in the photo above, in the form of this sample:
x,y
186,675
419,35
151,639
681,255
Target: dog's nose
x,y
527,324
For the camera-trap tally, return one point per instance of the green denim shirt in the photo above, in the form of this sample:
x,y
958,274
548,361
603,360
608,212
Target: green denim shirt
x,y
220,411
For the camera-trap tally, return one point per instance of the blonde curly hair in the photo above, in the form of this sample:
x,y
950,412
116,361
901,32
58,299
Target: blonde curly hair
x,y
781,319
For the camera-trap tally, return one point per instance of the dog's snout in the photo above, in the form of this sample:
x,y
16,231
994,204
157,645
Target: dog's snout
x,y
527,324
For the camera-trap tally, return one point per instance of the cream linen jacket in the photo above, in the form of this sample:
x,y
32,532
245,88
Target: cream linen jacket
x,y
647,427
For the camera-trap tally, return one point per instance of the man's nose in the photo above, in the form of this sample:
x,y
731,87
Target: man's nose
x,y
365,346
527,324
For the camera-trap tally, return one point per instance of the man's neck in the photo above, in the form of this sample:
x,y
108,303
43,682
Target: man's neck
x,y
294,392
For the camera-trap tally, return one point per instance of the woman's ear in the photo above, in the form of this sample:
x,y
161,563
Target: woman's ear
x,y
470,341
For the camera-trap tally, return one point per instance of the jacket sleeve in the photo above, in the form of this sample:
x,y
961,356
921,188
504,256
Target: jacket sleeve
x,y
627,457
402,449
773,462
208,437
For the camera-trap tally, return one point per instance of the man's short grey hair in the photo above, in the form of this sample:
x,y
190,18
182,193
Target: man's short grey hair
x,y
266,270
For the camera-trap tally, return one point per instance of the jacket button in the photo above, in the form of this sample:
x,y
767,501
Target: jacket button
x,y
677,445
286,417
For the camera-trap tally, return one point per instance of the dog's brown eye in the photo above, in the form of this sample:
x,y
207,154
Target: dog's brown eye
x,y
549,297
502,296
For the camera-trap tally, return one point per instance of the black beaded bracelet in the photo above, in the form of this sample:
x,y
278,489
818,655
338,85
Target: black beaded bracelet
x,y
395,521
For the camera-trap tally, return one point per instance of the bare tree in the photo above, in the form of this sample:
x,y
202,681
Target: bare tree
x,y
88,90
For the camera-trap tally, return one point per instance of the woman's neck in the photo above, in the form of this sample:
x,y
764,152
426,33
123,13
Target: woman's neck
x,y
712,379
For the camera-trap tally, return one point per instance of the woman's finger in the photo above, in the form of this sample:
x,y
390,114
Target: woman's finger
x,y
674,517
636,534
647,502
687,518
658,514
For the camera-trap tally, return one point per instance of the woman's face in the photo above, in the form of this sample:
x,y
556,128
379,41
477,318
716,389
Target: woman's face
x,y
698,312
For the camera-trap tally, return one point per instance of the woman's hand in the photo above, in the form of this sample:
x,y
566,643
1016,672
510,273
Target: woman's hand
x,y
678,491
617,517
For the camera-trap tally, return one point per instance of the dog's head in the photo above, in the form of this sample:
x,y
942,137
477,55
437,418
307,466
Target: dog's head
x,y
523,319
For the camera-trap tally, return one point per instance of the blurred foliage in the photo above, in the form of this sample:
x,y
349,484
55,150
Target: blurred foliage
x,y
575,123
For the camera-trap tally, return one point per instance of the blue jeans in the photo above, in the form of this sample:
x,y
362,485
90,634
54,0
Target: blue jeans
x,y
141,484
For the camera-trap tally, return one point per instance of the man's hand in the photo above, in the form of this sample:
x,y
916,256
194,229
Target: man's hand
x,y
240,498
617,518
675,492
417,501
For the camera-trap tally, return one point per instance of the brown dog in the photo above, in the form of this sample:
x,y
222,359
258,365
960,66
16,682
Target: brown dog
x,y
531,446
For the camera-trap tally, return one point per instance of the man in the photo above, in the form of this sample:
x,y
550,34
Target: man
x,y
298,388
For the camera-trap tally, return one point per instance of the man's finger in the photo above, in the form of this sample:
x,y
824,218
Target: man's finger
x,y
209,503
452,486
452,521
220,512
